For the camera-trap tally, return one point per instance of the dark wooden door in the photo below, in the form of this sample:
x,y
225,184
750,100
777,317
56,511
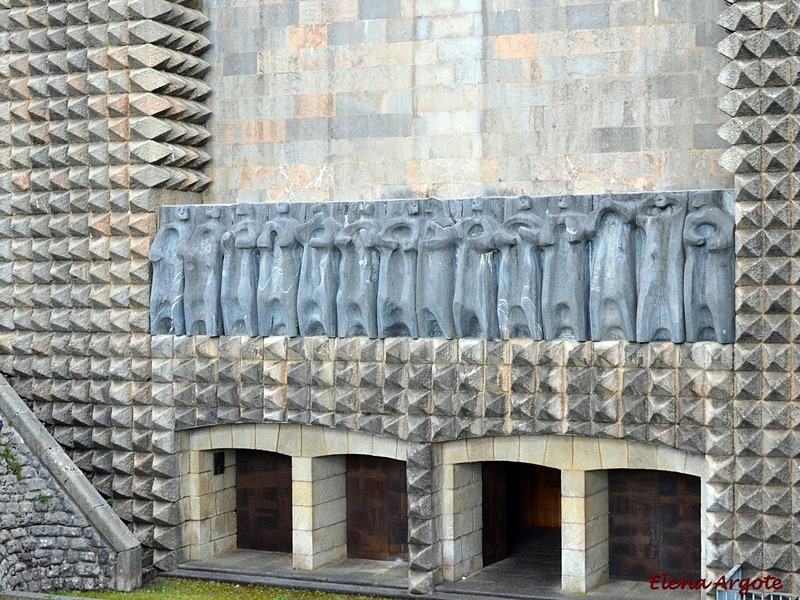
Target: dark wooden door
x,y
654,524
264,501
495,520
377,508
534,496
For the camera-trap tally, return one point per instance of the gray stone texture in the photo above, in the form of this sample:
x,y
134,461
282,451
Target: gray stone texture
x,y
102,118
766,187
572,267
46,543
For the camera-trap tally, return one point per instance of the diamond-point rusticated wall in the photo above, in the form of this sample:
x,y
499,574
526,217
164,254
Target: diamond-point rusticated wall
x,y
757,523
102,120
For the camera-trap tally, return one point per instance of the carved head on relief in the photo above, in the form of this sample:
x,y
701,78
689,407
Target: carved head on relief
x,y
603,201
477,205
282,208
433,206
182,213
564,202
523,203
365,210
413,207
661,205
244,210
213,212
558,205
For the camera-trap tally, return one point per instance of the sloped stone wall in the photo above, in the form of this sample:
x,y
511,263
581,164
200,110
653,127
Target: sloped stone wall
x,y
45,542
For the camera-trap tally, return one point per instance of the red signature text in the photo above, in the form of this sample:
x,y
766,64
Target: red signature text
x,y
743,585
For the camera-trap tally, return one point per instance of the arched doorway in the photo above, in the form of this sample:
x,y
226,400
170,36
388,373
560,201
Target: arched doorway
x,y
521,513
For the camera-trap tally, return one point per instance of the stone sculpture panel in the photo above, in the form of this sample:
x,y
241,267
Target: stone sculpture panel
x,y
240,274
565,293
519,304
166,293
436,272
708,238
397,284
202,264
280,257
356,299
634,267
660,219
319,273
612,289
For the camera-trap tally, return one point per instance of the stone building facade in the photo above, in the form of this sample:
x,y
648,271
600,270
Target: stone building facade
x,y
110,110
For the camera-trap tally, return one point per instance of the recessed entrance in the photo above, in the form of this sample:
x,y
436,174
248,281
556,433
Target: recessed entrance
x,y
377,508
263,501
522,517
653,524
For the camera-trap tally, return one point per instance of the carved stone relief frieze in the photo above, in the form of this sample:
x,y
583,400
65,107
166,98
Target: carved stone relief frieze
x,y
636,267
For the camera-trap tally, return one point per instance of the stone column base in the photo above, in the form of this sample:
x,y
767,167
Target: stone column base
x,y
319,511
584,530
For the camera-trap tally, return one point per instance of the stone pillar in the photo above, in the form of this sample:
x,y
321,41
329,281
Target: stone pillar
x,y
208,503
424,523
319,511
462,520
584,530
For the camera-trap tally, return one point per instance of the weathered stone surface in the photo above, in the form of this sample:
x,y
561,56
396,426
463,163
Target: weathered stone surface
x,y
468,277
44,543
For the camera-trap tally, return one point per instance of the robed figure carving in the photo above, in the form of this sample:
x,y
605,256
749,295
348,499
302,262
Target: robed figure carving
x,y
565,266
612,288
356,300
436,273
475,299
166,293
659,316
709,273
240,275
397,243
519,303
319,272
280,257
202,263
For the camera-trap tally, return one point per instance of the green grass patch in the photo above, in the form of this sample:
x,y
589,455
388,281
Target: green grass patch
x,y
12,463
196,589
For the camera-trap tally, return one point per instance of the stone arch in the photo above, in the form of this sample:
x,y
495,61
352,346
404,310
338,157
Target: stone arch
x,y
584,464
302,441
567,453
318,456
